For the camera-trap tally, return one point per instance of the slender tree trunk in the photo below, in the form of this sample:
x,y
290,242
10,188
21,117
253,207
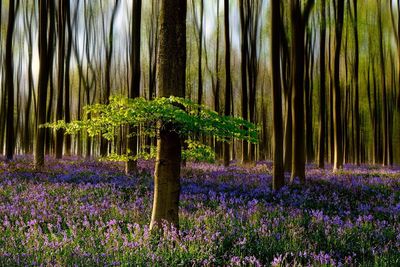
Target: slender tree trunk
x,y
299,20
356,80
132,142
60,76
28,17
10,131
218,144
385,113
244,25
67,104
322,94
278,175
44,71
109,45
170,81
228,86
337,110
308,98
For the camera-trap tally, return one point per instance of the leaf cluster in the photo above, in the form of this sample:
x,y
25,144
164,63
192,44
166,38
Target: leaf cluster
x,y
185,116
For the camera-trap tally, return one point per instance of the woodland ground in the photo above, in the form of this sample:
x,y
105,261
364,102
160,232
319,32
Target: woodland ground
x,y
89,213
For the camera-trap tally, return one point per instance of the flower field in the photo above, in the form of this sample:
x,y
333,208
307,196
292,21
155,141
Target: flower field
x,y
88,213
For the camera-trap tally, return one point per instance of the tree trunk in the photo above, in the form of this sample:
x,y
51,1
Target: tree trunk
x,y
278,173
170,81
385,113
337,110
322,94
60,76
67,104
299,20
109,47
10,132
131,165
228,86
356,80
44,71
244,28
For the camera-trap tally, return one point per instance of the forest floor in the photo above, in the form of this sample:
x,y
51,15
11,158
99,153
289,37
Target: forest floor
x,y
90,213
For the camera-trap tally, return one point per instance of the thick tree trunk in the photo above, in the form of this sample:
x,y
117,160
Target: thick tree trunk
x,y
132,139
170,81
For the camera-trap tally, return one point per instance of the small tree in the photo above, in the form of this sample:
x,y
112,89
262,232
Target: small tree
x,y
173,114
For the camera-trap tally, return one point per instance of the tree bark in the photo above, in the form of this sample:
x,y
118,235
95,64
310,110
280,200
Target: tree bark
x,y
170,81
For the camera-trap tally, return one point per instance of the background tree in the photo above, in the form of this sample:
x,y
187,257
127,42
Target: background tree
x,y
45,50
278,175
131,165
337,104
228,86
10,132
299,20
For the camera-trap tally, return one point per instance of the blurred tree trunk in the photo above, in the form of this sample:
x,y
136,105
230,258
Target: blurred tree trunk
x,y
385,113
170,81
49,137
299,20
228,85
278,179
109,47
9,69
45,50
152,43
337,110
60,75
132,142
356,81
322,94
308,80
67,104
253,62
244,31
28,18
199,28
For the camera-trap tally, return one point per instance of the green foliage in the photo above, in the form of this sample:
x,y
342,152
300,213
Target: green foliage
x,y
183,114
185,117
196,151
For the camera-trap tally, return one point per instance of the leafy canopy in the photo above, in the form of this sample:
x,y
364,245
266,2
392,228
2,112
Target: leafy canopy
x,y
185,116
